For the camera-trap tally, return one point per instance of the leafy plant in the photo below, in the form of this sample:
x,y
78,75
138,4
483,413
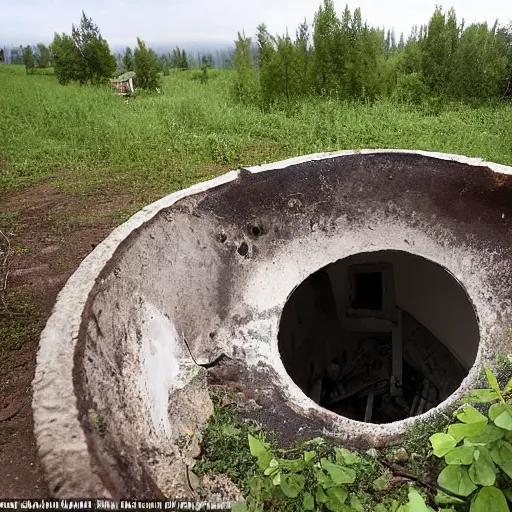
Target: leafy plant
x,y
315,480
477,450
311,481
224,447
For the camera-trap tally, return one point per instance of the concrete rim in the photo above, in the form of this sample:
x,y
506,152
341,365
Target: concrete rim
x,y
59,435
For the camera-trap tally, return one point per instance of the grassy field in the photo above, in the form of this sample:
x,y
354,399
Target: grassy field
x,y
83,138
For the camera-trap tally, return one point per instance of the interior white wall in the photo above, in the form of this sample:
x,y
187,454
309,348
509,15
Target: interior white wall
x,y
427,292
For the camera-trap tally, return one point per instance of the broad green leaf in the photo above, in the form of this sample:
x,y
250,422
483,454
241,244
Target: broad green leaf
x,y
239,506
325,480
483,470
455,479
308,503
442,444
355,503
309,456
471,415
277,479
481,396
292,485
347,457
501,454
496,410
321,497
493,382
504,420
460,455
508,388
294,465
416,502
508,494
445,499
338,495
461,430
339,474
259,450
489,499
489,435
272,469
382,483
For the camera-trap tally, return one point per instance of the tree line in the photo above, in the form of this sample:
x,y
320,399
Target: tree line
x,y
84,56
345,58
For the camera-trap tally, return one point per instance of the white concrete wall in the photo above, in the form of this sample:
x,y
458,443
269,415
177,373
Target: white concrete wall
x,y
428,293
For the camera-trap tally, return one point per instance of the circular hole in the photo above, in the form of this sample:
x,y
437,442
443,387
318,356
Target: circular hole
x,y
379,337
222,238
256,231
243,249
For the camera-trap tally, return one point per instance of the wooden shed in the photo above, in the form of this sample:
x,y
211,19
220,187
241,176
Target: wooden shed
x,y
123,85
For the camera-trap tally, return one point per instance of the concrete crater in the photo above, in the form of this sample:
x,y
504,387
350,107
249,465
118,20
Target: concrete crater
x,y
416,251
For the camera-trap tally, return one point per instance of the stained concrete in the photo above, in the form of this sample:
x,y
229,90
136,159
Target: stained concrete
x,y
207,271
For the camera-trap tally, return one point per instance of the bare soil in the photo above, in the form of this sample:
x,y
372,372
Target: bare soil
x,y
50,232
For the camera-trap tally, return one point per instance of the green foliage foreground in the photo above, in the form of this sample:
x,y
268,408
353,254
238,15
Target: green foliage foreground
x,y
477,450
317,475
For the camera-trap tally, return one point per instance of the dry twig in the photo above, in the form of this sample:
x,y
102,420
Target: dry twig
x,y
5,270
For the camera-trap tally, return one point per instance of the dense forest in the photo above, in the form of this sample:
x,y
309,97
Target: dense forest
x,y
343,57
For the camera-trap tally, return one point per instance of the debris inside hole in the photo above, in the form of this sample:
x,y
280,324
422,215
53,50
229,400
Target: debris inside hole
x,y
243,249
222,238
358,336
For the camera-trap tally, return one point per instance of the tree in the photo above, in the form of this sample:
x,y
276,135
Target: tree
x,y
480,65
65,58
246,81
127,60
17,55
184,60
207,60
303,57
179,59
97,63
28,59
146,67
43,56
326,42
504,37
84,56
401,42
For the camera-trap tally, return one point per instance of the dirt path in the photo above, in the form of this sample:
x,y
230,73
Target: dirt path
x,y
49,233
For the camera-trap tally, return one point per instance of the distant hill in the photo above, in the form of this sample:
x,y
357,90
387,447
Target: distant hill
x,y
192,48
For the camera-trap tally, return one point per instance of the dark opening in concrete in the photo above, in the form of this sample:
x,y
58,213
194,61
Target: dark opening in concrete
x,y
379,336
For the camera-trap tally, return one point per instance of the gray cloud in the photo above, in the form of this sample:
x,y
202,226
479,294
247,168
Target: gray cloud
x,y
204,21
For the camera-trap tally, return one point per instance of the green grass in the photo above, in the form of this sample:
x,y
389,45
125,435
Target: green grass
x,y
86,138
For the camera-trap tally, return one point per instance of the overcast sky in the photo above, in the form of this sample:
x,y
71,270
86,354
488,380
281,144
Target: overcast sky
x,y
205,21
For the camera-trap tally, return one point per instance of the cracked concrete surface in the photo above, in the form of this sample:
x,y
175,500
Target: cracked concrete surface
x,y
206,271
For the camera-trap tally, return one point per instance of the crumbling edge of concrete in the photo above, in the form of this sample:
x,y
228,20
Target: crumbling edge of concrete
x,y
60,439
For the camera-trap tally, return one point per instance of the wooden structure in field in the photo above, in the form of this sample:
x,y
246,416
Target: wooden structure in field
x,y
123,85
